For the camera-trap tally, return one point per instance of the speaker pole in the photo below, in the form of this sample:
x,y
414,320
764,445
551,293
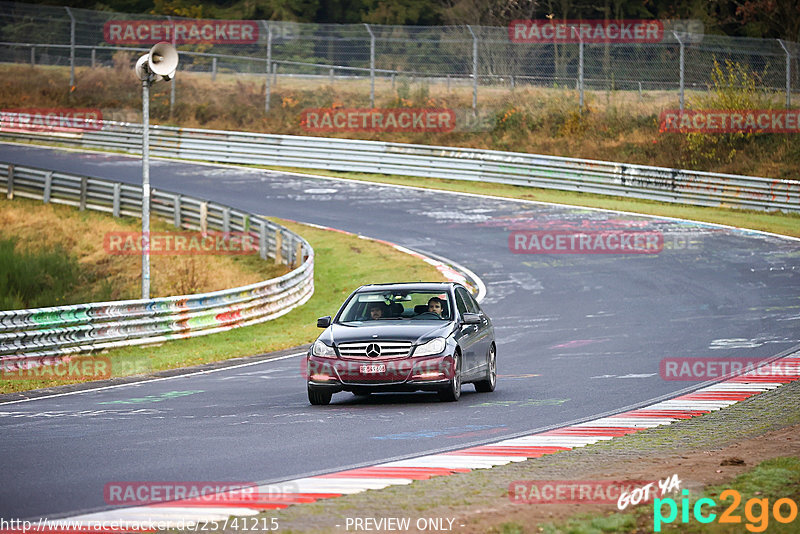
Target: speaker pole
x,y
160,63
146,187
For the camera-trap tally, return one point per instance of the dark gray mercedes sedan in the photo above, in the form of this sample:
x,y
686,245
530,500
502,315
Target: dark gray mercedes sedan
x,y
403,337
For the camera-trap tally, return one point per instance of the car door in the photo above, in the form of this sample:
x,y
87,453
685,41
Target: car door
x,y
486,337
470,335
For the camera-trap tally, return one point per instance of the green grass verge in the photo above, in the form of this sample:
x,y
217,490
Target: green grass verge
x,y
342,263
776,222
768,482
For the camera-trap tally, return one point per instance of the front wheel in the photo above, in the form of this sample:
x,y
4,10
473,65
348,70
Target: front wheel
x,y
452,392
319,397
488,384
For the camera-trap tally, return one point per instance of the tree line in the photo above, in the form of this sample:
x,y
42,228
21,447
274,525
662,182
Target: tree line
x,y
778,19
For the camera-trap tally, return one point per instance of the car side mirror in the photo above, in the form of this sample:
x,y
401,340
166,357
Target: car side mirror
x,y
324,322
471,318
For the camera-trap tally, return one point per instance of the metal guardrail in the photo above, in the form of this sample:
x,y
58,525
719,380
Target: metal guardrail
x,y
43,336
549,172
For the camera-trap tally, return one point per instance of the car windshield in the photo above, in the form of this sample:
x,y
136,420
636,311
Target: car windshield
x,y
370,306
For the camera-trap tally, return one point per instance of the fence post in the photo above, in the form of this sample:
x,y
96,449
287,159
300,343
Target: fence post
x,y
371,66
682,69
330,74
474,71
33,56
94,57
788,74
267,81
213,68
71,48
580,75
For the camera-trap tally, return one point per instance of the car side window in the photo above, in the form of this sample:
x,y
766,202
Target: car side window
x,y
473,304
465,302
460,304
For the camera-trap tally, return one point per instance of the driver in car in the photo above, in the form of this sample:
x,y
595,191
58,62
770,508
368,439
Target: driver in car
x,y
376,311
435,306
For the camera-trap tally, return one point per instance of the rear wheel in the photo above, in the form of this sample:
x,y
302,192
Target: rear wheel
x,y
319,397
487,385
453,390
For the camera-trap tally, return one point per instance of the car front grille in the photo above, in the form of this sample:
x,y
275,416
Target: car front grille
x,y
388,349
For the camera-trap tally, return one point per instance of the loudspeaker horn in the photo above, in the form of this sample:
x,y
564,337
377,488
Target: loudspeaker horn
x,y
161,61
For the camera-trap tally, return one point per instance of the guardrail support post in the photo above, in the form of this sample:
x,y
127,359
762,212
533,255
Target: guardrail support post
x,y
204,217
788,74
10,184
84,180
71,48
226,220
117,194
262,239
48,187
474,71
278,247
298,255
371,66
176,211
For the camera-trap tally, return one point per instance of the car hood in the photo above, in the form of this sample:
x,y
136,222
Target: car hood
x,y
402,330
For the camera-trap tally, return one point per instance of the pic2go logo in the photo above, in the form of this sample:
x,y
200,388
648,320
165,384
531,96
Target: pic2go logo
x,y
783,510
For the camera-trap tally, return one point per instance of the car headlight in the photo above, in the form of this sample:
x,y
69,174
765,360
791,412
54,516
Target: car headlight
x,y
322,350
434,346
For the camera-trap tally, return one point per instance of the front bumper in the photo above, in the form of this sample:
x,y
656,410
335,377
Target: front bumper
x,y
404,374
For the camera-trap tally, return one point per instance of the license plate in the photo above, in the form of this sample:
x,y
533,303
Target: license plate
x,y
372,368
